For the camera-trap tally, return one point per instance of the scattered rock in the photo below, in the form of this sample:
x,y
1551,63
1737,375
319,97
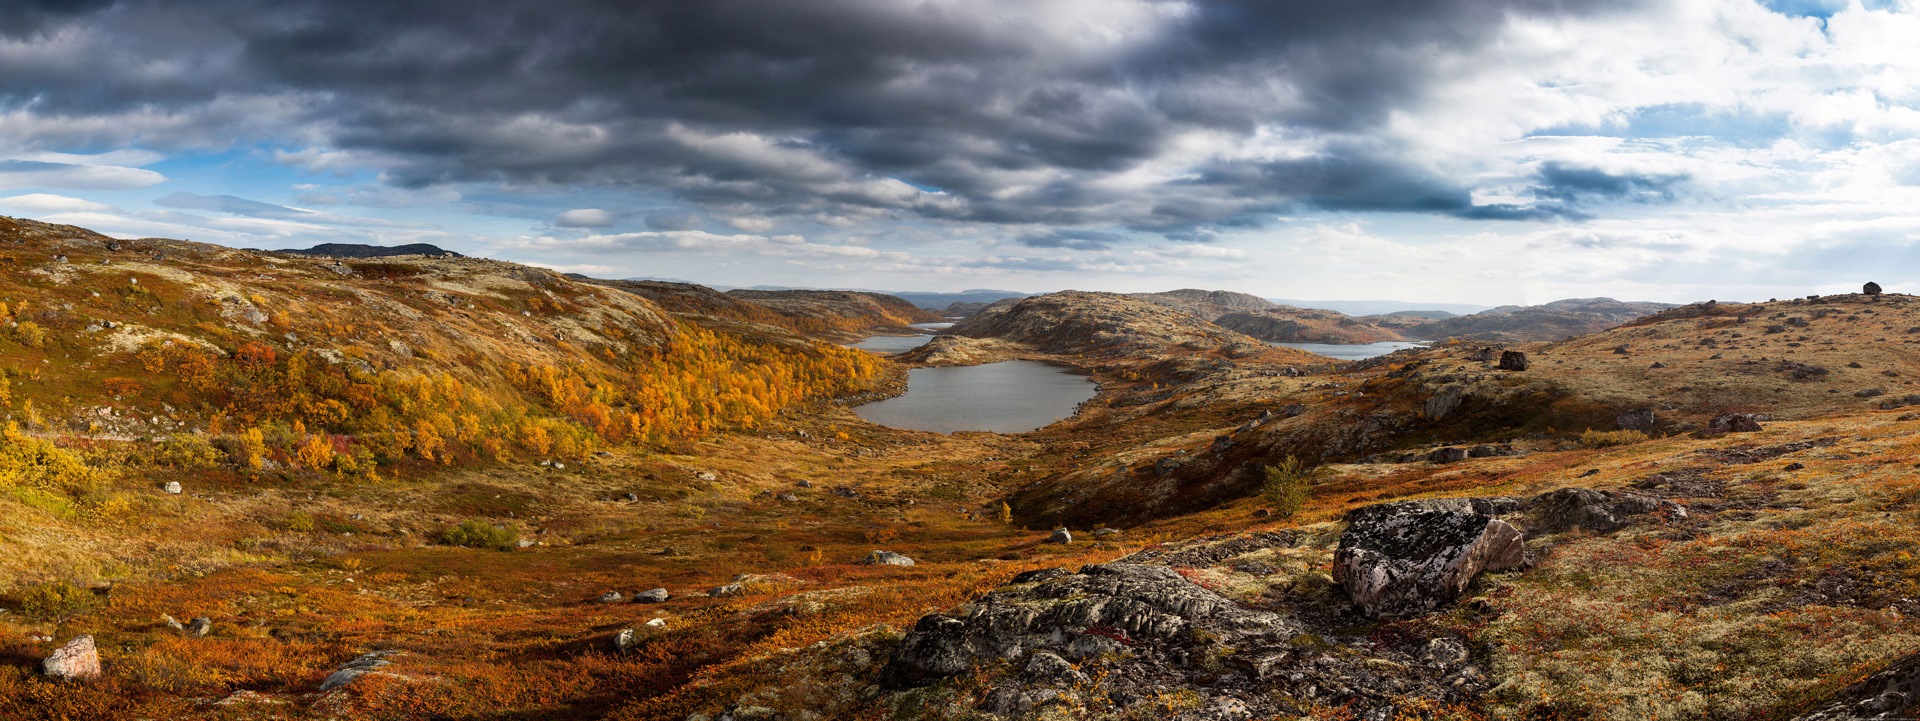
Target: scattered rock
x,y
1597,511
658,595
788,498
199,627
611,597
1449,454
369,663
625,641
171,622
887,558
1657,365
706,476
728,591
1870,392
1105,532
657,623
1410,557
631,496
1640,419
1513,360
172,487
1870,288
1491,450
1060,536
1736,422
77,659
1794,466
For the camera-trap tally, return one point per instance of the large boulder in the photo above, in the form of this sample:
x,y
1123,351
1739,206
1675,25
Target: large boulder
x,y
78,659
658,595
1640,419
1410,557
1513,360
1871,288
887,558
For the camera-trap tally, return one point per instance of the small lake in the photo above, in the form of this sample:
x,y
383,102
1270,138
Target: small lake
x,y
1354,351
892,343
1006,397
932,326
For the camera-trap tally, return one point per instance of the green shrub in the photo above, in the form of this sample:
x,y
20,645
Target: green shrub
x,y
479,534
56,601
1608,439
1288,485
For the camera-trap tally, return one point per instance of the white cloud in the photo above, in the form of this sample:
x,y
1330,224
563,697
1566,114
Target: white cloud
x,y
41,174
37,203
585,218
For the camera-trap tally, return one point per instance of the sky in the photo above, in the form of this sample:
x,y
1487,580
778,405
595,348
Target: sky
x,y
1464,151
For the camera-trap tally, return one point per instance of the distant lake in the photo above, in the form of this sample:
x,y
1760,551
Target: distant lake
x,y
932,326
1006,397
892,343
1354,351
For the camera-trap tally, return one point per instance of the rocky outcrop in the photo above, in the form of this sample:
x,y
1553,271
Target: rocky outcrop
x,y
78,659
1890,695
367,664
1596,511
1399,559
1514,360
1119,639
1411,557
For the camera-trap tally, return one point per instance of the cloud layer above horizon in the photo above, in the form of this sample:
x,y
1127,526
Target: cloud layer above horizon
x,y
1450,150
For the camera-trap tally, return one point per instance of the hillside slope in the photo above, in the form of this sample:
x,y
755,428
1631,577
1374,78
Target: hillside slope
x,y
1285,324
1551,321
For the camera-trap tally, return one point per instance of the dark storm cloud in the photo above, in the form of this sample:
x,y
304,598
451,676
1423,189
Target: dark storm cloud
x,y
1570,184
820,108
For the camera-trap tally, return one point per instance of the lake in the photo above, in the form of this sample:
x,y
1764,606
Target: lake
x,y
1006,397
1354,351
892,343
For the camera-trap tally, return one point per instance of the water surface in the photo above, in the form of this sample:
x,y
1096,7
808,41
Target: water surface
x,y
1006,397
1355,351
892,343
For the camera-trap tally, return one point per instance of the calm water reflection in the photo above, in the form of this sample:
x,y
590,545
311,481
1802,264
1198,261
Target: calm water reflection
x,y
892,343
1006,397
1354,351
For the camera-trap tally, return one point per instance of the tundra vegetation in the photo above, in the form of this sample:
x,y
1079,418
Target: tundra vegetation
x,y
448,463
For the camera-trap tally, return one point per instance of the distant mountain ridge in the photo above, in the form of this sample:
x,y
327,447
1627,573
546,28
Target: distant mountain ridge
x,y
362,250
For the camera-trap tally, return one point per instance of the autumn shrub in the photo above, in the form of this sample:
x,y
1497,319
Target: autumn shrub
x,y
1287,485
185,451
1608,439
29,462
474,533
56,601
30,334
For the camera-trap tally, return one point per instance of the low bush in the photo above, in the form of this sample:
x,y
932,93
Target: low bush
x,y
1608,439
1288,485
479,534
